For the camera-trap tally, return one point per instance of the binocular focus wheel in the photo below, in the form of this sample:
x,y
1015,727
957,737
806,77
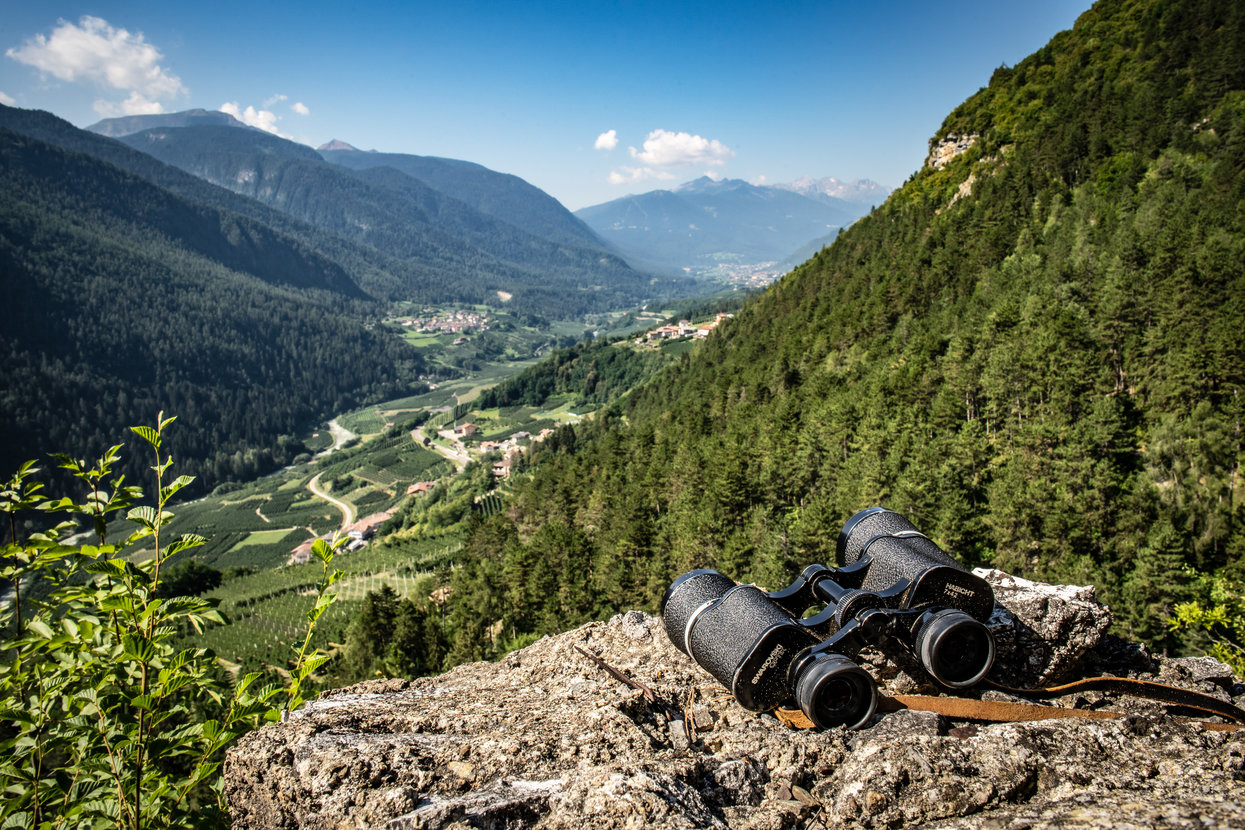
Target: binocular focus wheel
x,y
833,691
853,602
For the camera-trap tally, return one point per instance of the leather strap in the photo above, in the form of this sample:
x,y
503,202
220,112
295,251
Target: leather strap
x,y
1138,688
997,711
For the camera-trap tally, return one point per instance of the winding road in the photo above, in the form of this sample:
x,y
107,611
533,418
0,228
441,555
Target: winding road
x,y
460,459
346,509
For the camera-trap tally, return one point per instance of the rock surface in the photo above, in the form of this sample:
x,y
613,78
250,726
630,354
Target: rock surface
x,y
548,738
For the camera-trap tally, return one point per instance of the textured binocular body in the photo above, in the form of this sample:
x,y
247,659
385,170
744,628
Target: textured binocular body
x,y
897,590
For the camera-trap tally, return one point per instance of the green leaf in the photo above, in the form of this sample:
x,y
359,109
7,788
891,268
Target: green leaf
x,y
185,542
177,484
147,434
145,516
311,664
322,551
41,628
138,648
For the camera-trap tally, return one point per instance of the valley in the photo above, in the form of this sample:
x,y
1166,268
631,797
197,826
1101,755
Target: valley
x,y
431,461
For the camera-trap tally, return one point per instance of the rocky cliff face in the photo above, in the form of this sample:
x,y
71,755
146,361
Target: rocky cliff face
x,y
548,738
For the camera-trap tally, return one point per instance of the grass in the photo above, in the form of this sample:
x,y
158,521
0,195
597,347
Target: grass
x,y
264,537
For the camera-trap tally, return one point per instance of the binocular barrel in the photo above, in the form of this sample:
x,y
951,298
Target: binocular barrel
x,y
897,587
897,552
738,635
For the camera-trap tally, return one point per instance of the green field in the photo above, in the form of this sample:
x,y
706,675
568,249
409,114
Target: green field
x,y
264,537
267,611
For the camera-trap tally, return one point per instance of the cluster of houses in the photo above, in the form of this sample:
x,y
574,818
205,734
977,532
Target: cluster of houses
x,y
684,329
359,533
510,448
453,322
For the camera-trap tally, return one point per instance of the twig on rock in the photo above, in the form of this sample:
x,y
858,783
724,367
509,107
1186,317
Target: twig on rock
x,y
619,675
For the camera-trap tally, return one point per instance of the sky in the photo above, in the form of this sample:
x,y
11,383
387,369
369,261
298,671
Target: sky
x,y
588,101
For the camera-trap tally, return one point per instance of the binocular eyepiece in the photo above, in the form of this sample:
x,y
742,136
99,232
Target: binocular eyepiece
x,y
898,590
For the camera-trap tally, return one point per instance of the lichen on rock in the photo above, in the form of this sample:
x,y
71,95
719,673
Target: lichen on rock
x,y
546,738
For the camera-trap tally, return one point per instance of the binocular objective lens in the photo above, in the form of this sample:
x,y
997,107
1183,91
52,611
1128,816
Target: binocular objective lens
x,y
834,691
956,649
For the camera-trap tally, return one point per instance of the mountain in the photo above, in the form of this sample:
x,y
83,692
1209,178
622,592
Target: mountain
x,y
129,124
453,252
864,192
460,231
124,298
335,144
383,274
1034,350
705,222
500,195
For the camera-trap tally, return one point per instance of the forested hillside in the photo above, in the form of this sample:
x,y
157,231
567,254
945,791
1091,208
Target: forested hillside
x,y
499,195
1035,350
588,374
124,299
383,273
454,252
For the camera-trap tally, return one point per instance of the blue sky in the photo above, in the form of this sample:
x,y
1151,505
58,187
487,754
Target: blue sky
x,y
756,91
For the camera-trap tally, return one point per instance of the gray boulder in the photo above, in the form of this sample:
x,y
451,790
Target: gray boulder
x,y
547,738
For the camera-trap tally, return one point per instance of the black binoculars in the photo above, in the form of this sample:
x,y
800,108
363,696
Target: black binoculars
x,y
897,590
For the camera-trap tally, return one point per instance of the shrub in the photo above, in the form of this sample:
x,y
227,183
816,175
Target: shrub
x,y
102,722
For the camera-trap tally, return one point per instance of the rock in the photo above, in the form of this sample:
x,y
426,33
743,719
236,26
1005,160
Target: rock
x,y
950,147
547,738
1042,632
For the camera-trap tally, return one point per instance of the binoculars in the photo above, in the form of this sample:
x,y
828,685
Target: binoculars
x,y
897,590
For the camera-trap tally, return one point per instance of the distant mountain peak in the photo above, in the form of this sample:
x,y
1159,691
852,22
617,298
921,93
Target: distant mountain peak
x,y
130,124
709,183
337,144
861,191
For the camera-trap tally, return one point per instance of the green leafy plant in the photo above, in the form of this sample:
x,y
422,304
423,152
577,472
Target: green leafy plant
x,y
1221,618
103,722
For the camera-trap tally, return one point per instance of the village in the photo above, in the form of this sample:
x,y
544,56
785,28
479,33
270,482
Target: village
x,y
448,322
359,533
683,328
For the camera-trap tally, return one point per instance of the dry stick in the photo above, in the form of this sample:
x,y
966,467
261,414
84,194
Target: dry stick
x,y
619,675
689,715
635,684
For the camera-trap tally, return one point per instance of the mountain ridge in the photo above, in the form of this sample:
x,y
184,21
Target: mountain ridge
x,y
699,223
465,254
126,299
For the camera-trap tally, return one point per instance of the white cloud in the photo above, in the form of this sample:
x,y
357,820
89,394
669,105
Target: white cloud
x,y
136,104
666,149
627,175
6,100
275,99
606,141
94,52
300,108
265,120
